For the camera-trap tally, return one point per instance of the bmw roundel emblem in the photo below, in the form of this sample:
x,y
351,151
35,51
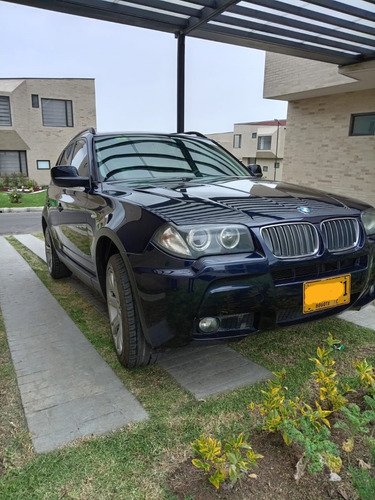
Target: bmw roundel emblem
x,y
304,210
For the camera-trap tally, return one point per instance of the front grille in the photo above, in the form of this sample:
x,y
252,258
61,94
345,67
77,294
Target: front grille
x,y
288,241
322,270
340,234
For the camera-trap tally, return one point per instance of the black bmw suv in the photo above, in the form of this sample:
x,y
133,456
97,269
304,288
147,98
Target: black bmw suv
x,y
186,243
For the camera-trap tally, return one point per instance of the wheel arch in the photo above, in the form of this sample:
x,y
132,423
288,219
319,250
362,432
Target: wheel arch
x,y
107,245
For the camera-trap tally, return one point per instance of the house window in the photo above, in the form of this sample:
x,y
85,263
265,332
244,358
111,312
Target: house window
x,y
35,100
254,135
362,124
5,119
12,162
264,142
237,140
265,168
43,164
57,113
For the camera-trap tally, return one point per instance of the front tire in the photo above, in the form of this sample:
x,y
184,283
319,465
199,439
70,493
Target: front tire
x,y
131,347
55,267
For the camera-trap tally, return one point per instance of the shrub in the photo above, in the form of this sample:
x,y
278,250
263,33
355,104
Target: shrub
x,y
224,462
15,196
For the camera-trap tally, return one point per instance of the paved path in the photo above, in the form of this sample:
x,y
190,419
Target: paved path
x,y
205,371
67,389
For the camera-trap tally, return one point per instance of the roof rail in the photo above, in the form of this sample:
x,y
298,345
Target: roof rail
x,y
193,132
90,130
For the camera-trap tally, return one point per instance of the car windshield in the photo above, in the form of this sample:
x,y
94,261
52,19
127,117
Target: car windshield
x,y
160,157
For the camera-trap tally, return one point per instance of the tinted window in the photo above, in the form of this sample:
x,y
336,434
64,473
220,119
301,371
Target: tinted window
x,y
65,156
362,124
154,157
79,159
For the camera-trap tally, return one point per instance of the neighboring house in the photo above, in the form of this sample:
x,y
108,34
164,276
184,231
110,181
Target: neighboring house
x,y
257,142
331,123
38,117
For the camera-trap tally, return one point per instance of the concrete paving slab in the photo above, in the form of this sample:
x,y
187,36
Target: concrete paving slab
x,y
67,389
211,369
365,317
32,243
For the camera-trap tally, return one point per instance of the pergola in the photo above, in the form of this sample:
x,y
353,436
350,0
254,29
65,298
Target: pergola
x,y
341,32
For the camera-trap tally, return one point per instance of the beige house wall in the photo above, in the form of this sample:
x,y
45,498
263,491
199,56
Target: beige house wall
x,y
319,151
45,143
249,153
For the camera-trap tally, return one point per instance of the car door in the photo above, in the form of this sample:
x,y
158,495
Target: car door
x,y
72,224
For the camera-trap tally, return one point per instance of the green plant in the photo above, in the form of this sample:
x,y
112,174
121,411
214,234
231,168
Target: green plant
x,y
278,409
367,375
355,423
6,180
318,449
329,390
15,196
224,462
363,482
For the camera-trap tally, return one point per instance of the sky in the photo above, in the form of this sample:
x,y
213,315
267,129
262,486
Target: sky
x,y
135,71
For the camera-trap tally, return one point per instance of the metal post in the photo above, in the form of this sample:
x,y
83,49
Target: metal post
x,y
277,145
180,82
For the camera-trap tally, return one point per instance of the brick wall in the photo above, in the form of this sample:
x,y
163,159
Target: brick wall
x,y
319,151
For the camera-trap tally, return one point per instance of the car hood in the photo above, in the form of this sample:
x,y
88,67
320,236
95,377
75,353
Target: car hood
x,y
233,200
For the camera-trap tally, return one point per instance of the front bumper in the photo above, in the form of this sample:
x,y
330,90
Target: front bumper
x,y
246,293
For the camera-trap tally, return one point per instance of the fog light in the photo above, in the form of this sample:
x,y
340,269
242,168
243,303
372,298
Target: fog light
x,y
209,325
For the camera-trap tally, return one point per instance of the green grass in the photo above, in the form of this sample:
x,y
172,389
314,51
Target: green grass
x,y
27,200
133,463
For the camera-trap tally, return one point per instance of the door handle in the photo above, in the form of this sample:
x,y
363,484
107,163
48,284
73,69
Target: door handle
x,y
60,208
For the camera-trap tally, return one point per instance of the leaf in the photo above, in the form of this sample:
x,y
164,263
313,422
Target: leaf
x,y
300,468
200,465
363,465
287,439
253,476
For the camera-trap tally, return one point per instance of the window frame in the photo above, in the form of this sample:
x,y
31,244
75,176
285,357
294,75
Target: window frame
x,y
260,137
38,162
68,123
22,161
353,116
9,111
34,100
237,140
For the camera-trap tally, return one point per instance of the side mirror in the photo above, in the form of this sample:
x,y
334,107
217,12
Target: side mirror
x,y
255,169
67,176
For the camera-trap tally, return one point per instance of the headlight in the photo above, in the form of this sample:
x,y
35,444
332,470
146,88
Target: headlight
x,y
368,220
196,241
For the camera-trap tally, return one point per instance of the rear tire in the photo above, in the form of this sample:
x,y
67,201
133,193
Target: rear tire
x,y
131,347
55,267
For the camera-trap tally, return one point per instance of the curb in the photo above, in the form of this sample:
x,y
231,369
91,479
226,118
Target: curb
x,y
20,210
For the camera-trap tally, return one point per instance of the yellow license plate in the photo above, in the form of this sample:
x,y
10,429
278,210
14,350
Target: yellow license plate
x,y
326,293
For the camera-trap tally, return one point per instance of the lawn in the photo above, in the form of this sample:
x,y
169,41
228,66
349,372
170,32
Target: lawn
x,y
151,460
36,199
